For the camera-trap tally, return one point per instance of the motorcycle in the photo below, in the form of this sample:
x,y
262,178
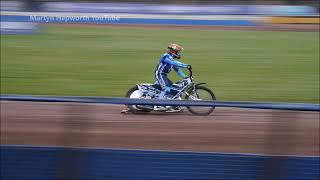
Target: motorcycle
x,y
185,89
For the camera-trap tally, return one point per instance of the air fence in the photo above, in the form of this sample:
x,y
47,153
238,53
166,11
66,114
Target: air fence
x,y
17,18
66,162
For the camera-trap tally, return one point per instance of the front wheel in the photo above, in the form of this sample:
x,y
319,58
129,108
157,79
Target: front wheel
x,y
201,93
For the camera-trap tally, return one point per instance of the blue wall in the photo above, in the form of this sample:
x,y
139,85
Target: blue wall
x,y
90,20
18,162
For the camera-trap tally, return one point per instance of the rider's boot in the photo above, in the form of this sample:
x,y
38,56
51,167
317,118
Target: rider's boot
x,y
162,95
174,109
161,108
125,110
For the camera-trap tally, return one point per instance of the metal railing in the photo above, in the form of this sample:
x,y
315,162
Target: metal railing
x,y
128,101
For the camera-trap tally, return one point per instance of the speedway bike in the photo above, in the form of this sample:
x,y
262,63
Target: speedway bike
x,y
185,89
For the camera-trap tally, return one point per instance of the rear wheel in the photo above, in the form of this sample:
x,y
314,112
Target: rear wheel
x,y
134,93
202,94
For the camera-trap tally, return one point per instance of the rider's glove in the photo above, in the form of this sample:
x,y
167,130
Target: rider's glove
x,y
189,66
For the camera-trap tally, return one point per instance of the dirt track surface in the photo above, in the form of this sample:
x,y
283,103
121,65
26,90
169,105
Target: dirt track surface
x,y
226,130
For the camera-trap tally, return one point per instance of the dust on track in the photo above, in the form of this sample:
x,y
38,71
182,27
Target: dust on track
x,y
226,130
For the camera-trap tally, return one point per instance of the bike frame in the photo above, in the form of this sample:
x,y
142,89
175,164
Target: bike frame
x,y
187,86
190,85
183,89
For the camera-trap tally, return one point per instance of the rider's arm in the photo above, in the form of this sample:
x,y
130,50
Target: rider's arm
x,y
179,71
175,63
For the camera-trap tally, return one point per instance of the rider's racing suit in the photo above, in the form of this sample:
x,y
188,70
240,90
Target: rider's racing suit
x,y
165,65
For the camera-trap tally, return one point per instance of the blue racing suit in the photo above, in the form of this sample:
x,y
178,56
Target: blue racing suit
x,y
165,65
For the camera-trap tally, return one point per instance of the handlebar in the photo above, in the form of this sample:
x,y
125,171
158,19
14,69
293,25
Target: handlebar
x,y
190,70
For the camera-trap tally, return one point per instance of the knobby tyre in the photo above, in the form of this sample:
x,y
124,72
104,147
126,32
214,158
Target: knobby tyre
x,y
204,94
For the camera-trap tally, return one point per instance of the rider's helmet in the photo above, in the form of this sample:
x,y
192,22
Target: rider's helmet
x,y
175,50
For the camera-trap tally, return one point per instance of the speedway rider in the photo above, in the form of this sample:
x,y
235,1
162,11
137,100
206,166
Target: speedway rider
x,y
166,63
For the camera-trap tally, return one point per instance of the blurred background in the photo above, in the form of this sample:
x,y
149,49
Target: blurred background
x,y
104,47
246,50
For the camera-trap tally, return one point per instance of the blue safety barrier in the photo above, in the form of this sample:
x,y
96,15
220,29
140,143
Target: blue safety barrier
x,y
30,162
118,20
128,101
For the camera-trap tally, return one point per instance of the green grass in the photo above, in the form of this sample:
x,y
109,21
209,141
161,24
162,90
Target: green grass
x,y
89,61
